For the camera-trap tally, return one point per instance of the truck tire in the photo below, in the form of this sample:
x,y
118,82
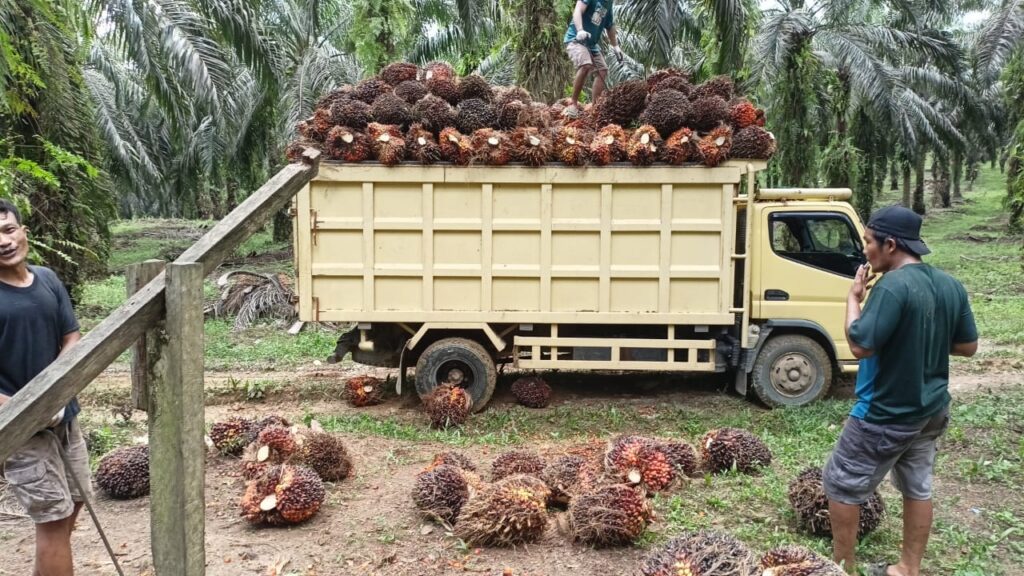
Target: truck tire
x,y
461,361
791,370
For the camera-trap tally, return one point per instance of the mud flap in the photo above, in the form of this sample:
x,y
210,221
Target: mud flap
x,y
740,382
400,383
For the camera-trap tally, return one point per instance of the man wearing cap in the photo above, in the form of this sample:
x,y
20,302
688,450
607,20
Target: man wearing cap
x,y
914,319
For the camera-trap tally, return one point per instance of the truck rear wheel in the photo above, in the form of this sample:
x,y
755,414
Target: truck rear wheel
x,y
461,362
791,370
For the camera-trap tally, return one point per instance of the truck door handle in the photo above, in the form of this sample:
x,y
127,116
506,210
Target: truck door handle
x,y
774,295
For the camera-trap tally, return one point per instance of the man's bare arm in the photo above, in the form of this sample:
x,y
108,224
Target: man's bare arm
x,y
965,349
577,15
70,339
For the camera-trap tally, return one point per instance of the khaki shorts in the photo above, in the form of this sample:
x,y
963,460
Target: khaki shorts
x,y
40,481
582,56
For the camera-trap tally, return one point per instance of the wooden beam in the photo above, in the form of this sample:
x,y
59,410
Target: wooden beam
x,y
136,277
176,424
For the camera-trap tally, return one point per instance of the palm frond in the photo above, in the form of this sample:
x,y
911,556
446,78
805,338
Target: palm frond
x,y
1000,36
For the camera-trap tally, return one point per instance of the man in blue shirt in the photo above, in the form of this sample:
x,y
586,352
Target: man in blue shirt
x,y
590,19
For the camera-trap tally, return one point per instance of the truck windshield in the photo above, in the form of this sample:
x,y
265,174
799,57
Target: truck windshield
x,y
827,241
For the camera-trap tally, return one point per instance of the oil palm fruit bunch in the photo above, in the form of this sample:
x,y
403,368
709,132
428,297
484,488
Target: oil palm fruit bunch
x,y
390,109
232,435
678,83
438,69
711,553
317,127
659,76
667,111
490,147
644,146
475,86
346,144
284,494
503,94
398,72
434,113
571,147
742,114
351,112
510,512
673,563
622,104
639,461
797,561
123,473
441,492
325,454
411,91
723,449
532,392
445,88
422,145
455,146
708,112
370,89
448,406
680,147
267,422
609,145
682,456
715,146
721,86
456,459
530,146
474,114
363,391
612,515
509,112
807,496
388,143
753,142
275,444
334,96
536,115
517,462
568,476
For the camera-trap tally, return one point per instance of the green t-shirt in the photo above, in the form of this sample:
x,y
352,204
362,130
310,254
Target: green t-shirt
x,y
910,321
596,19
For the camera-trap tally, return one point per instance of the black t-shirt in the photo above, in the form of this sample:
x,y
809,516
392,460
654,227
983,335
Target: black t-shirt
x,y
33,323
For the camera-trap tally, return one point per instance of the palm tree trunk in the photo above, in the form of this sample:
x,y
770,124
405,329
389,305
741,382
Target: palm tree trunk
x,y
919,184
958,173
894,176
906,184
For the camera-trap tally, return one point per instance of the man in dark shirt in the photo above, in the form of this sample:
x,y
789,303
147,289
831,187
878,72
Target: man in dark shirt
x,y
37,324
915,318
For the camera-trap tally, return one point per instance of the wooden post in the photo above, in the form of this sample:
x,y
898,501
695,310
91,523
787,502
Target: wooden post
x,y
177,449
137,276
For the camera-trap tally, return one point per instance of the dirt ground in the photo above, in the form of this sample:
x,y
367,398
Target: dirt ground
x,y
368,524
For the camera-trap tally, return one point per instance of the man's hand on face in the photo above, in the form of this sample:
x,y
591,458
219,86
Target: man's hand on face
x,y
859,289
618,53
582,36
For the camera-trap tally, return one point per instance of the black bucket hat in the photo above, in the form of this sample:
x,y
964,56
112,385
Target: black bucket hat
x,y
902,223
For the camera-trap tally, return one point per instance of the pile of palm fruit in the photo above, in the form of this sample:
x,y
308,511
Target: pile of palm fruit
x,y
430,115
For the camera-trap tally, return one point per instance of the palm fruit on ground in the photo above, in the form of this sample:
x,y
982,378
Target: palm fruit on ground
x,y
351,112
507,513
571,146
284,494
725,448
807,496
411,91
422,146
707,113
370,89
797,561
326,455
334,96
742,114
266,422
231,436
667,110
721,86
456,459
680,147
294,151
659,76
362,391
447,406
622,104
438,69
678,83
532,392
609,145
398,72
753,142
682,456
445,88
387,141
509,112
713,554
644,146
672,563
455,146
490,147
613,515
390,109
475,86
530,146
441,492
346,144
435,114
274,444
567,477
715,146
517,462
124,472
639,461
474,114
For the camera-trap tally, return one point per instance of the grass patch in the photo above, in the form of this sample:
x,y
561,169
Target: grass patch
x,y
264,346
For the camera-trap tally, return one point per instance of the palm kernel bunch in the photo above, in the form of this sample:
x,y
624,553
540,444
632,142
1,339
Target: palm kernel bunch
x,y
348,145
396,73
438,69
422,146
720,86
474,114
460,461
709,553
724,449
609,145
232,435
797,561
667,110
644,146
715,146
621,104
434,113
283,494
753,142
677,83
391,109
475,86
441,492
334,96
455,146
123,473
571,146
568,476
509,512
657,77
274,445
448,406
680,147
351,112
387,141
326,454
363,391
490,147
530,146
682,456
445,88
517,462
613,515
370,89
639,461
807,496
532,392
412,91
708,112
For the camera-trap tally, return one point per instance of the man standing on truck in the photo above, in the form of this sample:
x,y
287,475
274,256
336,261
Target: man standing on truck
x,y
914,319
37,324
590,19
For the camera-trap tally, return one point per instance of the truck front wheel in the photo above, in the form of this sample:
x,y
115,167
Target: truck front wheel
x,y
460,362
791,370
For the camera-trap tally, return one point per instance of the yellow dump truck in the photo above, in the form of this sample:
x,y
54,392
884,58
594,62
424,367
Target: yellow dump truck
x,y
453,269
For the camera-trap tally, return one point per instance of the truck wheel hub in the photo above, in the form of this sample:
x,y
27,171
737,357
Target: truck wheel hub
x,y
793,374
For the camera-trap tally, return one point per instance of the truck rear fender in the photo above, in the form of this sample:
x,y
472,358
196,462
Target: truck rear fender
x,y
807,328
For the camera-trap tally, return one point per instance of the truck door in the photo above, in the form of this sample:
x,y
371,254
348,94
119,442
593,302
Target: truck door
x,y
808,260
